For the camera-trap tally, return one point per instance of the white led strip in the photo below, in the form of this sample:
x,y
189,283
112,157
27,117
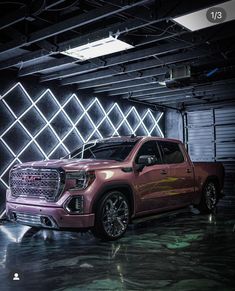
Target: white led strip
x,y
106,116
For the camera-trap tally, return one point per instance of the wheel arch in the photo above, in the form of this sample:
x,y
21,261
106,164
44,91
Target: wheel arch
x,y
123,188
214,179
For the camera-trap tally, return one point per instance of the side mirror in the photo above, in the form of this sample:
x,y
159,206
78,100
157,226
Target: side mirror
x,y
146,160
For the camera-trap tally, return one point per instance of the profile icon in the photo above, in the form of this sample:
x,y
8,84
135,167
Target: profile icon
x,y
16,277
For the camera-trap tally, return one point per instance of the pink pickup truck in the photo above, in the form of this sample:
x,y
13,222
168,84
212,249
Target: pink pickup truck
x,y
106,183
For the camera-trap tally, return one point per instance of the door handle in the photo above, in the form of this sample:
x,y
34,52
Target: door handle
x,y
189,171
163,172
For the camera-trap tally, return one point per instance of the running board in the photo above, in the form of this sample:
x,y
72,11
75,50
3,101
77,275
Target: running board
x,y
161,215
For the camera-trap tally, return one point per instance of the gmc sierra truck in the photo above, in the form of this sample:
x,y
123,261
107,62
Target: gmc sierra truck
x,y
105,184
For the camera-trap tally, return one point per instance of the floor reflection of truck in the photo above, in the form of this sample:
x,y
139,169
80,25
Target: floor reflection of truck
x,y
106,183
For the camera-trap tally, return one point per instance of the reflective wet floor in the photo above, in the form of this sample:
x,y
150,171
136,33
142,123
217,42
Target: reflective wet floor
x,y
180,252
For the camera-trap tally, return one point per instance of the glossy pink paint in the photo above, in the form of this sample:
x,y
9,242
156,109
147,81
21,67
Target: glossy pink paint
x,y
157,188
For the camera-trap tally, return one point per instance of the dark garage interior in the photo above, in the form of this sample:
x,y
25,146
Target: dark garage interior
x,y
168,71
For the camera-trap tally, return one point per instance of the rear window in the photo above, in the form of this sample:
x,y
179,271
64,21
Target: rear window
x,y
171,152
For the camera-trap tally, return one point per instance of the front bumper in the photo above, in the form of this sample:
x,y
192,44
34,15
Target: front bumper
x,y
47,217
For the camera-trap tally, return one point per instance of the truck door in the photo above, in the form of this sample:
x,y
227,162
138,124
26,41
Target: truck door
x,y
151,183
180,173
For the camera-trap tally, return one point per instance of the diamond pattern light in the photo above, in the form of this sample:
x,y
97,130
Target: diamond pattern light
x,y
61,131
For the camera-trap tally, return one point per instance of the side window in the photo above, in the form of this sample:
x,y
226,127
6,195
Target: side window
x,y
171,152
149,148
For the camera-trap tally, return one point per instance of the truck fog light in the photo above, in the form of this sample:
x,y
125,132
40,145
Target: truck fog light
x,y
75,205
46,221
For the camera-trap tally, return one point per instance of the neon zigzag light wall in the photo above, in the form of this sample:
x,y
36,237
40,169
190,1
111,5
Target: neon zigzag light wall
x,y
94,127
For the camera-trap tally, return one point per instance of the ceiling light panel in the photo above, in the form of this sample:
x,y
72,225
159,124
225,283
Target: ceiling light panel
x,y
98,48
208,17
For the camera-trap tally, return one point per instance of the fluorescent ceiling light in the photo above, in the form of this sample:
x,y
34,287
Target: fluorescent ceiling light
x,y
98,48
198,20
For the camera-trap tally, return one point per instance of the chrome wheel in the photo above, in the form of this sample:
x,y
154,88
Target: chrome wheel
x,y
115,215
210,195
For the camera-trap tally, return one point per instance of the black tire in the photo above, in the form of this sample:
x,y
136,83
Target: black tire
x,y
111,216
209,197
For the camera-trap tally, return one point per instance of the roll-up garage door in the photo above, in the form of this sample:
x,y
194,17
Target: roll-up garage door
x,y
210,136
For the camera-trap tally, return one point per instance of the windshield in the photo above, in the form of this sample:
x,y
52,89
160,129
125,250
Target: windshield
x,y
105,150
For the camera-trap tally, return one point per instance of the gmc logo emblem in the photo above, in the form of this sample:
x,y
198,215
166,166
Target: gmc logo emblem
x,y
31,178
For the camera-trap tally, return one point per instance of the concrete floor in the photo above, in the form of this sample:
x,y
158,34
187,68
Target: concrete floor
x,y
181,252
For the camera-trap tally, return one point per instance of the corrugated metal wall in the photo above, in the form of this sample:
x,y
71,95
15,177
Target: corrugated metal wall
x,y
210,136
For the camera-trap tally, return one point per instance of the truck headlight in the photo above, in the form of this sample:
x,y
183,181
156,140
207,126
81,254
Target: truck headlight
x,y
82,179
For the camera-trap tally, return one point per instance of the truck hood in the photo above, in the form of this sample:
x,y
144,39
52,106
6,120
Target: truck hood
x,y
73,164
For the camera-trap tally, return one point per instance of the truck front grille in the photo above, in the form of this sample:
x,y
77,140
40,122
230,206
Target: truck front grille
x,y
36,183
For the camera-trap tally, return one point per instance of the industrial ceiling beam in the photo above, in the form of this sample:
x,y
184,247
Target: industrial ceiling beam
x,y
226,85
157,106
164,96
50,4
81,40
128,80
174,91
154,93
23,13
13,18
122,78
119,27
136,89
205,99
132,56
72,23
139,82
46,65
144,13
120,59
188,39
154,84
141,65
139,85
22,58
77,41
186,94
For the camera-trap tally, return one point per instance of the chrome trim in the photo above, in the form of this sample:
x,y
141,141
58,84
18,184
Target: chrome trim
x,y
65,205
48,186
32,219
3,214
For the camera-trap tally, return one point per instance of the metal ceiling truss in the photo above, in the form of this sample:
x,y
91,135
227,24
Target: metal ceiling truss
x,y
142,89
124,58
159,44
174,92
162,89
187,40
23,14
116,29
92,16
69,24
118,78
127,68
205,97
